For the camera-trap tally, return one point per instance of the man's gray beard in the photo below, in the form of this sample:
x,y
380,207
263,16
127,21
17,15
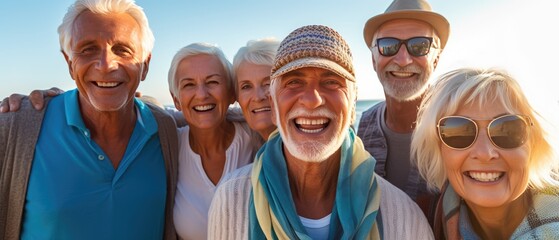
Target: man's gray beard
x,y
404,92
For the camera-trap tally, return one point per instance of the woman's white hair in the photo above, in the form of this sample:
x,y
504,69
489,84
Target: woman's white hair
x,y
259,52
468,86
105,7
193,50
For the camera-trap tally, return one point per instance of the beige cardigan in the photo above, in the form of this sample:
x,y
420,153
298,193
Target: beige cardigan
x,y
228,216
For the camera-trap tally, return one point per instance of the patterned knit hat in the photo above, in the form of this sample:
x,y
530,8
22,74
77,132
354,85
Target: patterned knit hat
x,y
314,46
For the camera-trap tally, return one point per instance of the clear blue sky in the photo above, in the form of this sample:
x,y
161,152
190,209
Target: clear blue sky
x,y
515,34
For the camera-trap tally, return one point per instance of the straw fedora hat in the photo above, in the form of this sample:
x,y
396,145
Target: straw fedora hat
x,y
408,9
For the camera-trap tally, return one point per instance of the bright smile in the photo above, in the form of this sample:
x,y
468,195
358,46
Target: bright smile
x,y
204,108
314,125
259,110
107,84
402,74
484,176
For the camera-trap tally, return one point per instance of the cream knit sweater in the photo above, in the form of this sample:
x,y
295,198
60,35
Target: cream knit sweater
x,y
228,216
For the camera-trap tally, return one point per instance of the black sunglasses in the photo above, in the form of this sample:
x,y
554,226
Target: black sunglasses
x,y
506,132
416,46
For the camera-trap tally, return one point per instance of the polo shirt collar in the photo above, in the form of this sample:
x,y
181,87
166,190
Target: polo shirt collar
x,y
145,118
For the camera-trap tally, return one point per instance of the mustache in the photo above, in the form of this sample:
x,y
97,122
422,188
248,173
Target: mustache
x,y
413,68
319,112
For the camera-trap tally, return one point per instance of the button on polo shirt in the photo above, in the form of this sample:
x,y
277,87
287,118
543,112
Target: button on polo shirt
x,y
74,192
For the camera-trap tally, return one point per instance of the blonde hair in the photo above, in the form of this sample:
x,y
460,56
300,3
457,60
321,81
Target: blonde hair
x,y
482,86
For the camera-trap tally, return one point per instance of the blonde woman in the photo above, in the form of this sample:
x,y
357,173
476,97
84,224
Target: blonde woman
x,y
477,132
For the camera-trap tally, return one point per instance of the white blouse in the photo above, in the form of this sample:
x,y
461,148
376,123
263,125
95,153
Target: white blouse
x,y
195,190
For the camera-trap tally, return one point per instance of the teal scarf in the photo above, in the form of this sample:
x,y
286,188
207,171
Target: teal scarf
x,y
356,209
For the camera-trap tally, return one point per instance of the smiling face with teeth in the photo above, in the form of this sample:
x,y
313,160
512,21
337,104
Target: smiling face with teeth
x,y
253,82
204,92
405,77
483,175
106,60
312,108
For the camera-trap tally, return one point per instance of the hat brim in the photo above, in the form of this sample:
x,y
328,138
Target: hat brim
x,y
314,62
436,20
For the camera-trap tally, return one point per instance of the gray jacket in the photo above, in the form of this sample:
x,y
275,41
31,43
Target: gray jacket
x,y
370,132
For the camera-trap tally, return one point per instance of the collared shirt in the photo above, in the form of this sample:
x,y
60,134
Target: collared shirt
x,y
74,192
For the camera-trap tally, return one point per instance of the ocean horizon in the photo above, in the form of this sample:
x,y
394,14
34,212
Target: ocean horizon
x,y
361,106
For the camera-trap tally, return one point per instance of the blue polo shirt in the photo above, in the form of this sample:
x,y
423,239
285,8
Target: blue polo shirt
x,y
74,192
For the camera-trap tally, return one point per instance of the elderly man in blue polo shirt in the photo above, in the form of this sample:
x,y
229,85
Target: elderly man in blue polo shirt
x,y
96,163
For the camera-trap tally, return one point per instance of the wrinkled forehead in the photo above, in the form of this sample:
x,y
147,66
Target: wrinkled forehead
x,y
319,73
118,26
404,28
313,71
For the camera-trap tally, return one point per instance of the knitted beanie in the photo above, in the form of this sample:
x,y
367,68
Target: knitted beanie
x,y
314,46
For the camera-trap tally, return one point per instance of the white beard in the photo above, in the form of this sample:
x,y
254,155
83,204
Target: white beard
x,y
408,90
404,92
316,149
